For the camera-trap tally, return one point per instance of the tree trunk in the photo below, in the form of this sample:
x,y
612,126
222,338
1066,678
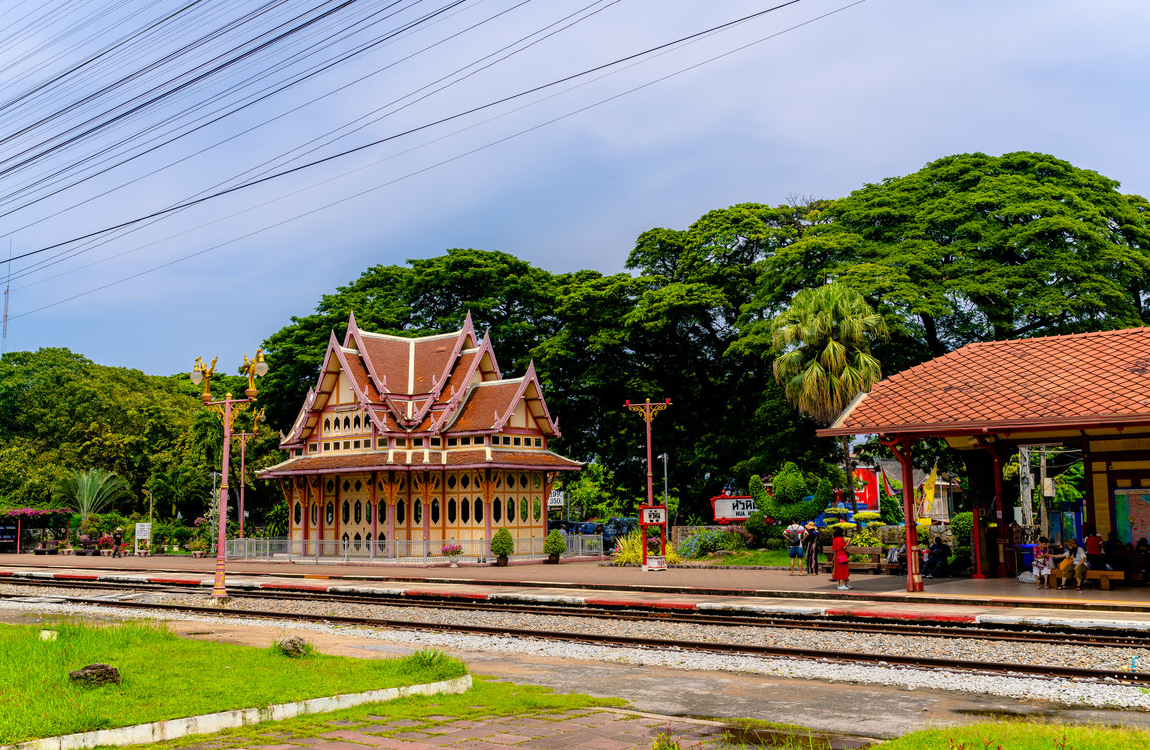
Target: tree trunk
x,y
850,472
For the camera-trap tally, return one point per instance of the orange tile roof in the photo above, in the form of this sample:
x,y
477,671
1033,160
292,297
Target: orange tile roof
x,y
431,359
484,404
390,359
1056,381
457,378
359,373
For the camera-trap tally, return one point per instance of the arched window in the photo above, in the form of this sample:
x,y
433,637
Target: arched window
x,y
330,513
435,511
383,512
329,486
538,508
417,512
298,514
345,516
465,512
451,510
464,481
358,511
346,423
367,513
523,480
510,510
451,481
326,426
400,512
496,510
355,422
313,515
524,509
358,541
478,510
345,541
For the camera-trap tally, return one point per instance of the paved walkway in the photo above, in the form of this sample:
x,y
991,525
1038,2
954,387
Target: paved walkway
x,y
944,600
579,729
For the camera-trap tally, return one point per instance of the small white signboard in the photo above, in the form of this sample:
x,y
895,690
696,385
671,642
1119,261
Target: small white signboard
x,y
730,508
143,531
655,562
556,499
654,515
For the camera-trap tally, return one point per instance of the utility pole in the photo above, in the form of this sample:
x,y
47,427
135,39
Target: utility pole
x,y
1025,481
1045,519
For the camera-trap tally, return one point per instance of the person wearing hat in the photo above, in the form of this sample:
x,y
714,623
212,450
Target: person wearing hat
x,y
1072,563
811,548
117,540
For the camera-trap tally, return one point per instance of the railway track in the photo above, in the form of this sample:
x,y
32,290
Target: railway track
x,y
885,660
1131,639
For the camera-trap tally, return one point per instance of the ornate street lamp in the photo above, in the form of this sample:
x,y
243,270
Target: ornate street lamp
x,y
257,418
227,411
649,513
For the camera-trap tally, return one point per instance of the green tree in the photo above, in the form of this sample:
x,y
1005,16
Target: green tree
x,y
823,344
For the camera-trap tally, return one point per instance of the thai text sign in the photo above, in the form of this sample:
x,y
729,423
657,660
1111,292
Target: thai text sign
x,y
143,531
733,508
556,499
654,516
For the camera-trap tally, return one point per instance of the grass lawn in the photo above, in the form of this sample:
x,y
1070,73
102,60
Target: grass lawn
x,y
166,677
775,557
1022,736
486,699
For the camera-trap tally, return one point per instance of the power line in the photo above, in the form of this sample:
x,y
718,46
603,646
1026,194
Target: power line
x,y
413,130
428,168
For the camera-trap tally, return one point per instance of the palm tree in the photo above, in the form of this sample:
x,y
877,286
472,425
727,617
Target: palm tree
x,y
93,490
823,343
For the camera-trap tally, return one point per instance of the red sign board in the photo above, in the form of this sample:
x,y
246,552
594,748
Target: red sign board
x,y
732,508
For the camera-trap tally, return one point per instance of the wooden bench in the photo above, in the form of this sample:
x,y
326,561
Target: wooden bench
x,y
1104,577
874,564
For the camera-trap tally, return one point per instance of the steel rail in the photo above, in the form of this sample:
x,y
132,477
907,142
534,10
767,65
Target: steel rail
x,y
884,660
749,619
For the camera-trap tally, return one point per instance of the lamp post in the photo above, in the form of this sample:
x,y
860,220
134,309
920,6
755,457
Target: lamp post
x,y
649,410
226,409
257,417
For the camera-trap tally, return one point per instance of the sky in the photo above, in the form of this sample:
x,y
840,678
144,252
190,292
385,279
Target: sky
x,y
445,148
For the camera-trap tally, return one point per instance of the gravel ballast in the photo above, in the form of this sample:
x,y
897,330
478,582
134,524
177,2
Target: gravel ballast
x,y
1063,691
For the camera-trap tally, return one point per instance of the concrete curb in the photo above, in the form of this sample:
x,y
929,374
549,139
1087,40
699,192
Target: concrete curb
x,y
160,731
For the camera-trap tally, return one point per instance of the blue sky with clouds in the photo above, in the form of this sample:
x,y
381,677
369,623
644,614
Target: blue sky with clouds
x,y
566,178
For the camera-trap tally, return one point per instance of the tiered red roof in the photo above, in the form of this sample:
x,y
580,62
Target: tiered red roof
x,y
441,386
1076,380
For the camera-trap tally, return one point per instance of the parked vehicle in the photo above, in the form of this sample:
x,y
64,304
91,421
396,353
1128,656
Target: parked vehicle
x,y
616,528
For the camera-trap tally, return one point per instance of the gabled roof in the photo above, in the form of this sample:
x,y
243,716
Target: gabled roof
x,y
1074,381
427,385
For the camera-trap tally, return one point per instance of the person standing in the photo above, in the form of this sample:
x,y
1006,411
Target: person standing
x,y
117,540
842,569
1041,563
794,535
811,548
1093,544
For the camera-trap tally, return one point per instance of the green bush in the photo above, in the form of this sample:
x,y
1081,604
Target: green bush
x,y
864,538
824,493
786,501
961,525
961,557
554,544
775,544
502,545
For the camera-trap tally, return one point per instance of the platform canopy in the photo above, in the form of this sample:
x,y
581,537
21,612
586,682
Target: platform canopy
x,y
1090,391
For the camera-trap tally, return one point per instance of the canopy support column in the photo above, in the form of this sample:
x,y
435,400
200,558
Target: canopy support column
x,y
903,449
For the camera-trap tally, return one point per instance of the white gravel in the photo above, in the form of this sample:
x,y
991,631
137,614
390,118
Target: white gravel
x,y
1070,692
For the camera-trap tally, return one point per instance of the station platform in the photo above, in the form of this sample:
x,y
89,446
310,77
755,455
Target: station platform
x,y
999,601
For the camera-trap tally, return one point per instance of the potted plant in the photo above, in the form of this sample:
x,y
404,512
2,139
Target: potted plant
x,y
452,551
105,545
197,547
502,545
554,545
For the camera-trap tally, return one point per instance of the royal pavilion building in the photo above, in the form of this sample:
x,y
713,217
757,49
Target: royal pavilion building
x,y
405,445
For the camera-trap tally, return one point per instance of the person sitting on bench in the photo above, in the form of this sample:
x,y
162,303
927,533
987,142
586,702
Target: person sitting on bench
x,y
1072,563
937,561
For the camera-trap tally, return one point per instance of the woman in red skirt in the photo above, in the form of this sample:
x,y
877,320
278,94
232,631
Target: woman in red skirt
x,y
841,560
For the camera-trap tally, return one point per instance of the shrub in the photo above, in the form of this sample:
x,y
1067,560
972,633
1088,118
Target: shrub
x,y
554,544
502,545
961,557
701,542
824,493
629,549
867,515
788,500
864,538
735,539
760,531
775,544
961,525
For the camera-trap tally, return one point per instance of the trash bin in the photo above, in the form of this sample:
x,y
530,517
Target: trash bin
x,y
1026,551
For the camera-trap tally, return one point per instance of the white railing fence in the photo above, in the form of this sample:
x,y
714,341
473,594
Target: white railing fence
x,y
474,550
